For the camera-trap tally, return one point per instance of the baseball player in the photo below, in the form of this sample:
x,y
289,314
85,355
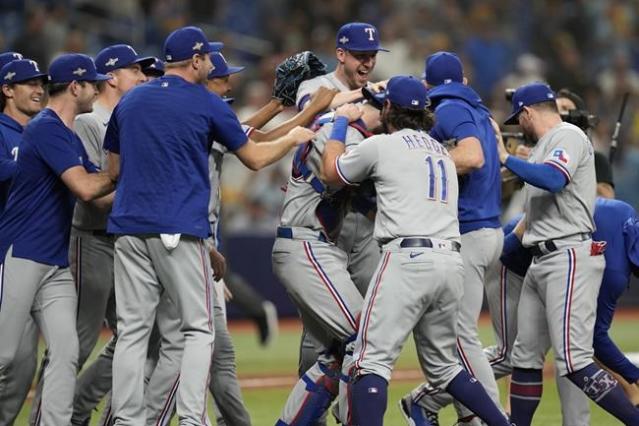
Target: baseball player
x,y
418,283
161,131
462,119
20,100
52,170
557,227
356,48
154,70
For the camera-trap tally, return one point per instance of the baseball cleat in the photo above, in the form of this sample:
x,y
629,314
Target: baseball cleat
x,y
416,415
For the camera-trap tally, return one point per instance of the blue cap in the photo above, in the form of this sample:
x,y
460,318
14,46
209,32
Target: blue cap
x,y
216,46
220,67
529,94
74,66
358,36
119,56
402,90
21,70
156,68
443,68
7,57
185,42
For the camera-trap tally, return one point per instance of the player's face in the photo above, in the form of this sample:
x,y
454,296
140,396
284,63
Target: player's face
x,y
564,105
525,121
357,66
87,94
127,78
220,85
27,96
203,66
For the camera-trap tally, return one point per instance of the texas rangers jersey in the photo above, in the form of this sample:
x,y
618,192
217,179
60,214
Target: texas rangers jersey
x,y
570,211
301,201
91,128
415,180
10,136
308,87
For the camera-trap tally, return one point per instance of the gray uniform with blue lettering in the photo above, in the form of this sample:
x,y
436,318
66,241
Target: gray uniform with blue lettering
x,y
414,289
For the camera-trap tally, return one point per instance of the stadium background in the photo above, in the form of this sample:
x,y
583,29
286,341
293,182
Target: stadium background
x,y
590,47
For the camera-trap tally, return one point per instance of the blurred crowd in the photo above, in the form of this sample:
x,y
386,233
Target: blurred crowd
x,y
590,47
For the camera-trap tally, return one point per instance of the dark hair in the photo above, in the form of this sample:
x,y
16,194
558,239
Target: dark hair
x,y
405,118
57,88
575,98
3,100
550,106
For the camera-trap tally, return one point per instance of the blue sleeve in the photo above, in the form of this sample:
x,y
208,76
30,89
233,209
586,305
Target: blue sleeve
x,y
88,165
631,239
514,256
544,176
605,349
112,136
227,129
455,122
57,148
7,162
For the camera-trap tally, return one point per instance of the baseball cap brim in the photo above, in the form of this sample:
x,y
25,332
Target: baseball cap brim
x,y
367,49
145,61
38,76
215,46
228,100
100,77
513,118
375,99
235,70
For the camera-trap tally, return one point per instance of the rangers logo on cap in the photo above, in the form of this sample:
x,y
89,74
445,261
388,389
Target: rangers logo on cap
x,y
111,62
343,40
198,45
9,76
79,72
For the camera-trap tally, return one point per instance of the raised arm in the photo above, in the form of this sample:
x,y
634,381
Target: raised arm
x,y
256,156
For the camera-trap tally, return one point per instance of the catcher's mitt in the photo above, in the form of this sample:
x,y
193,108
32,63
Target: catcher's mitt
x,y
292,71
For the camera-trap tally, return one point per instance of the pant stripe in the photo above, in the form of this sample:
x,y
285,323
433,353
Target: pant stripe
x,y
503,349
463,358
570,284
369,309
207,285
165,416
301,410
109,415
78,273
329,285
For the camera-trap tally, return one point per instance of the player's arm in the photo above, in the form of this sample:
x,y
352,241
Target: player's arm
x,y
265,114
467,155
320,100
336,145
7,164
456,123
87,186
256,156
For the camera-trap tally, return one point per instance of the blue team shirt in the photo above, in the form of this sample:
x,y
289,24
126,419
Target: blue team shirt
x,y
37,218
163,131
459,114
10,137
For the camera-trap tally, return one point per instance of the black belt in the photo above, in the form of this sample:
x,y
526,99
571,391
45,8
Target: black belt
x,y
549,246
285,232
426,242
100,233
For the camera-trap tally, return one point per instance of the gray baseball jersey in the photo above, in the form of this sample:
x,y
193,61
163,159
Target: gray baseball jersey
x,y
308,87
570,211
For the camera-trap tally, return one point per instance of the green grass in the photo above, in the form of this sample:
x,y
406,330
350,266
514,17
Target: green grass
x,y
281,358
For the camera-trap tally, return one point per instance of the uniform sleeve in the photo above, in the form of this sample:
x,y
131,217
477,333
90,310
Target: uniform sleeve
x,y
353,138
454,122
304,92
358,163
7,161
57,148
631,238
88,131
565,151
226,128
112,136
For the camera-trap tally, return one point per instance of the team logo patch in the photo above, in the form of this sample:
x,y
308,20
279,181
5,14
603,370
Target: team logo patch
x,y
343,40
561,155
9,76
111,62
79,72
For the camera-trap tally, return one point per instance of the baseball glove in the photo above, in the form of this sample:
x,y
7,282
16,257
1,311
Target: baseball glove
x,y
291,72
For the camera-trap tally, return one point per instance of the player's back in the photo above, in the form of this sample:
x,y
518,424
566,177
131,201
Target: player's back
x,y
416,186
610,217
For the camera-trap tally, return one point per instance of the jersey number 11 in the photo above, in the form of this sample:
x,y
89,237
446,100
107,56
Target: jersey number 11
x,y
437,178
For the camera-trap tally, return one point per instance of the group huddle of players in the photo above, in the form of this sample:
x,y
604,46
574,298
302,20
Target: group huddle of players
x,y
110,205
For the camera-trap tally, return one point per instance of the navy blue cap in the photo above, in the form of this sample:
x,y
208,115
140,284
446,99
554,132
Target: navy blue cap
x,y
402,90
216,46
119,56
21,70
443,68
185,42
529,94
156,68
74,66
358,36
220,67
7,57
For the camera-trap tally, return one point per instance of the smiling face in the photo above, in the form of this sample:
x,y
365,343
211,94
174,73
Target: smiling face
x,y
355,67
125,79
26,96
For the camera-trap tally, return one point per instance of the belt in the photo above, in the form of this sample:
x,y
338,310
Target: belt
x,y
430,243
100,233
286,232
549,246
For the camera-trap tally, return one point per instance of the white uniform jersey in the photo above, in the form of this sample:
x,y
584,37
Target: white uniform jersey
x,y
308,87
570,211
91,128
415,180
301,200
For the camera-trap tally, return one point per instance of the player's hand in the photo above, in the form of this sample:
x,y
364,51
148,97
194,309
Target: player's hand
x,y
228,296
379,86
350,111
218,263
501,148
300,135
522,151
322,98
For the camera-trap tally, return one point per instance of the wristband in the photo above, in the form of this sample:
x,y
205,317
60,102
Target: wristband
x,y
340,126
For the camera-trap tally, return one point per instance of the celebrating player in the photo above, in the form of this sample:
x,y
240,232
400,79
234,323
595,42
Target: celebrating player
x,y
557,227
52,170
